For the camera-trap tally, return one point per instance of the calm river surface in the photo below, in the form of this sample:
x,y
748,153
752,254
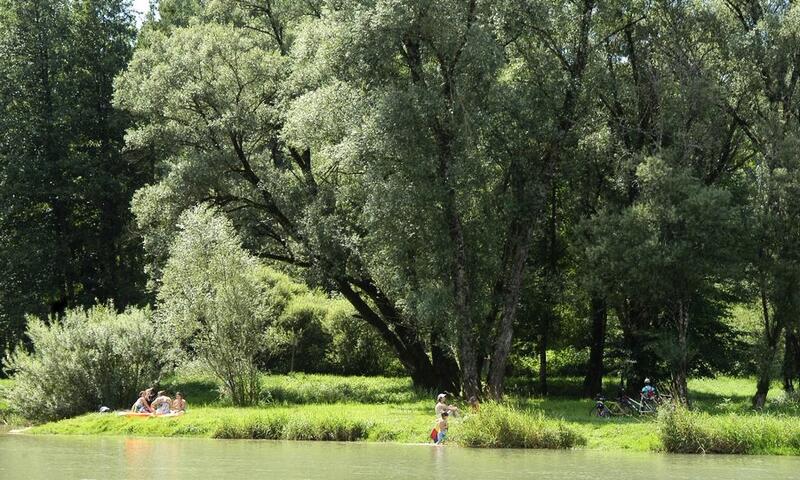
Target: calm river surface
x,y
48,457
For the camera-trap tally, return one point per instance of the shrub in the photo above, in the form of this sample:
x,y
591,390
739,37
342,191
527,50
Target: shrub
x,y
684,431
297,335
355,347
87,359
213,303
501,426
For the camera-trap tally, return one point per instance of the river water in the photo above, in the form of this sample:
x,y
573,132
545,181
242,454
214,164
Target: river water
x,y
30,457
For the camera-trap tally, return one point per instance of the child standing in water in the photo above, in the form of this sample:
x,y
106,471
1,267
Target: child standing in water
x,y
441,428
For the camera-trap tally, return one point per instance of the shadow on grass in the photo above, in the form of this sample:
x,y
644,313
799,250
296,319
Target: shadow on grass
x,y
197,392
304,389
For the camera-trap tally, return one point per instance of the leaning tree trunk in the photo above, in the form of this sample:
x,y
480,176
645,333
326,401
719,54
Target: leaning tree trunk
x,y
593,383
521,240
400,337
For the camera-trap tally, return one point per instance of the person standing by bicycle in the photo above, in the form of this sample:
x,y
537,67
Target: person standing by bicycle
x,y
648,391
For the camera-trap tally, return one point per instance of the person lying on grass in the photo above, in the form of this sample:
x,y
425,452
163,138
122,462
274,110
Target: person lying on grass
x,y
179,404
142,405
443,407
441,428
162,403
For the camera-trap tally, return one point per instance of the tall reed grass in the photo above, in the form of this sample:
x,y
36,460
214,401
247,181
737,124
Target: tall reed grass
x,y
684,431
301,426
501,426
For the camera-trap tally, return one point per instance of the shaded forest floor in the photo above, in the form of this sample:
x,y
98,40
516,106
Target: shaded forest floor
x,y
322,407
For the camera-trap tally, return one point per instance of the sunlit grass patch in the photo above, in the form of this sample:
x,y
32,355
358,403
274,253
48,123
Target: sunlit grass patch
x,y
502,426
408,423
307,388
683,431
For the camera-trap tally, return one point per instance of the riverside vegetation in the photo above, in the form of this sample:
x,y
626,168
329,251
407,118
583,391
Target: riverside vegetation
x,y
385,409
446,194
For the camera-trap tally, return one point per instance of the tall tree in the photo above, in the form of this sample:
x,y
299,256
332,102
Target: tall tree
x,y
64,183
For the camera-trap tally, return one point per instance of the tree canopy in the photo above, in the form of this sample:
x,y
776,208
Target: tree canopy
x,y
478,180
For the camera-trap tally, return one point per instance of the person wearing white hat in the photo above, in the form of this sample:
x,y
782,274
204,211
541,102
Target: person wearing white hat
x,y
648,391
442,406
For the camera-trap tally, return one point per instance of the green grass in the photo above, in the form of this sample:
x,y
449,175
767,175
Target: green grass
x,y
503,426
381,409
302,389
407,423
8,419
684,431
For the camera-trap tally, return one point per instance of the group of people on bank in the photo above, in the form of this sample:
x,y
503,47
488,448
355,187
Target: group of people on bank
x,y
159,403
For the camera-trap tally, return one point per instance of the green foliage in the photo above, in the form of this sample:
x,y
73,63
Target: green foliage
x,y
88,359
212,303
355,348
299,333
500,426
683,431
65,186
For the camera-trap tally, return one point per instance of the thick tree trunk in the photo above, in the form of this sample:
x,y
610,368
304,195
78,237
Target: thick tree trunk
x,y
640,365
505,334
762,388
593,383
467,345
470,380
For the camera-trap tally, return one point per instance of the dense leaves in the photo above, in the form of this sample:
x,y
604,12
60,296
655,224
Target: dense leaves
x,y
482,182
65,184
86,360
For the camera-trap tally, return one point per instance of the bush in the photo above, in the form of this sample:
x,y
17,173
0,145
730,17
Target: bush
x,y
355,347
89,358
684,431
213,304
501,426
297,334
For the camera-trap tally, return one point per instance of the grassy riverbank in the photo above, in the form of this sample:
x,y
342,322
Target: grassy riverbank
x,y
8,419
315,407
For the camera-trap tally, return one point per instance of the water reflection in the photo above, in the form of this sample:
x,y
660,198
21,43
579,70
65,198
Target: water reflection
x,y
31,457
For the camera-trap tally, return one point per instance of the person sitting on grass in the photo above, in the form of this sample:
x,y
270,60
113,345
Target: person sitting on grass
x,y
441,428
179,404
142,405
443,407
162,403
